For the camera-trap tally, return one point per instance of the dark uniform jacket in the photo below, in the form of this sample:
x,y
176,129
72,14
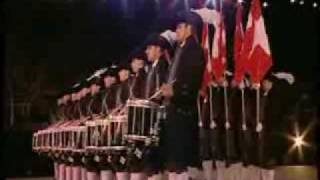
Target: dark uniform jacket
x,y
155,77
138,84
182,133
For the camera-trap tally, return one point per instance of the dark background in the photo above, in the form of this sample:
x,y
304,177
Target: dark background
x,y
52,44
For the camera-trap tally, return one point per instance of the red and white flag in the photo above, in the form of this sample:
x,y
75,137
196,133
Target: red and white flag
x,y
256,45
240,63
207,75
219,52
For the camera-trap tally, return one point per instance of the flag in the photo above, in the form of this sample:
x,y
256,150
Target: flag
x,y
219,52
207,75
240,63
256,45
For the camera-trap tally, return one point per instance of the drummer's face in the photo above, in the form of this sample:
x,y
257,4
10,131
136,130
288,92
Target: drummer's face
x,y
266,85
123,75
153,53
183,31
92,89
108,81
137,64
73,98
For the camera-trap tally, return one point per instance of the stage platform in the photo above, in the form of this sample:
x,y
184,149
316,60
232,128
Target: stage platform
x,y
282,173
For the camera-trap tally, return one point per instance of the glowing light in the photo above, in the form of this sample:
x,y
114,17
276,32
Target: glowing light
x,y
240,1
292,1
301,2
315,5
298,141
265,4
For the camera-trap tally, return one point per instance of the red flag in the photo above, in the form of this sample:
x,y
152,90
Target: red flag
x,y
219,52
207,76
239,63
256,45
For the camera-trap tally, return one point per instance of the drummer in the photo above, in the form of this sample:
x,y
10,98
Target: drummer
x,y
146,159
77,145
65,153
89,91
138,73
61,154
55,158
156,49
73,158
157,64
83,116
108,79
182,131
122,91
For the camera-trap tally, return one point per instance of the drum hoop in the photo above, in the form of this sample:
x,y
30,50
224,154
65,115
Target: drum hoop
x,y
118,121
142,103
136,137
118,118
90,123
78,150
105,147
102,122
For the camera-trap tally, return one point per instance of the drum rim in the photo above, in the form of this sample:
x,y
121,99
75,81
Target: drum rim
x,y
136,137
102,148
106,122
142,103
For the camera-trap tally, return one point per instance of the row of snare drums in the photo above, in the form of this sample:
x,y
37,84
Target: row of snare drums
x,y
139,122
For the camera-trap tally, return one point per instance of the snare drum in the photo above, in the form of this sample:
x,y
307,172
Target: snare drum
x,y
35,141
107,134
78,134
143,119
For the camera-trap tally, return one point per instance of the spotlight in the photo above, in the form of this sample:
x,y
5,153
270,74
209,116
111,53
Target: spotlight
x,y
298,141
265,4
301,2
292,1
315,4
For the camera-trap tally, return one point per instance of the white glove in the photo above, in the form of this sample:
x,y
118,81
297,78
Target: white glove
x,y
209,16
170,36
286,76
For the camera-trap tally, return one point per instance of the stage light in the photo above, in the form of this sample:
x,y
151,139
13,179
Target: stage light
x,y
301,2
298,141
292,1
315,4
265,4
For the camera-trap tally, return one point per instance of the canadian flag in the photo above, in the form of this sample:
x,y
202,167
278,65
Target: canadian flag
x,y
219,52
256,45
207,75
240,63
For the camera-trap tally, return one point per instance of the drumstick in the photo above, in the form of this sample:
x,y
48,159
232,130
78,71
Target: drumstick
x,y
122,110
116,109
159,91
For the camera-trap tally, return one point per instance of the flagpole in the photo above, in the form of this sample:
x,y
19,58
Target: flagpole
x,y
244,124
227,124
199,112
259,125
212,123
226,104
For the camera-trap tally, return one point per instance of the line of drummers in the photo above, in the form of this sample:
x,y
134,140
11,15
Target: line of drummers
x,y
110,124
